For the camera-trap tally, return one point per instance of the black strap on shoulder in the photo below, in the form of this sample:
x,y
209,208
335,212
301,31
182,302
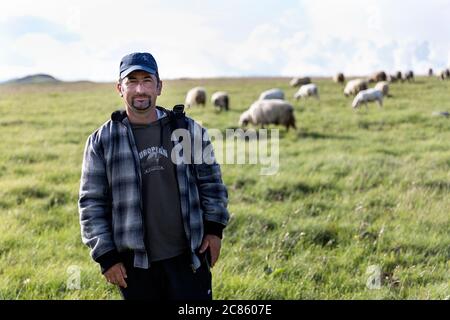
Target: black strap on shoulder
x,y
178,121
178,118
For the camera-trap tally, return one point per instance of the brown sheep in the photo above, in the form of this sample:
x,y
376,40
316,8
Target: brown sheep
x,y
220,100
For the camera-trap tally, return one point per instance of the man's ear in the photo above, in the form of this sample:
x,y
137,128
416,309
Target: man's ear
x,y
119,88
160,85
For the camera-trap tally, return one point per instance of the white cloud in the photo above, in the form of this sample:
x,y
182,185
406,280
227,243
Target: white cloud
x,y
195,39
323,37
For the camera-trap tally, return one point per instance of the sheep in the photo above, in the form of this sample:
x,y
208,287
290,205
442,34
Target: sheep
x,y
339,78
272,94
220,100
409,76
399,76
441,114
383,86
297,82
368,95
444,74
392,78
377,77
307,90
196,96
264,112
430,72
355,86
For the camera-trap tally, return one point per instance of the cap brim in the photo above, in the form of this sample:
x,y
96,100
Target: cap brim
x,y
126,72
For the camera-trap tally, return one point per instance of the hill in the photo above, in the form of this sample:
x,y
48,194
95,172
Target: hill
x,y
35,78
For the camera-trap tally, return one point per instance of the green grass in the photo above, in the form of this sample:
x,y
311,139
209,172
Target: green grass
x,y
354,189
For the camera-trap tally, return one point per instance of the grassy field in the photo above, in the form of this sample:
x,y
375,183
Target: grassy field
x,y
354,190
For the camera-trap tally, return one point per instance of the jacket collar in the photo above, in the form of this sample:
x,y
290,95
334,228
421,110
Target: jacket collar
x,y
120,115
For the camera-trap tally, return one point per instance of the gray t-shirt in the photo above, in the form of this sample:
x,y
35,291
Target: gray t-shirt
x,y
166,237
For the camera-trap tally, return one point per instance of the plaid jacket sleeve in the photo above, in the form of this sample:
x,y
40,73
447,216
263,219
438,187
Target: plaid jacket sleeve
x,y
95,206
212,191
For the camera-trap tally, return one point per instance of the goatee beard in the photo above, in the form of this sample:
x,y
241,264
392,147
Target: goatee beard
x,y
141,106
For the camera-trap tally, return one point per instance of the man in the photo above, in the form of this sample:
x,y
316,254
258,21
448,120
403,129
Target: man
x,y
153,225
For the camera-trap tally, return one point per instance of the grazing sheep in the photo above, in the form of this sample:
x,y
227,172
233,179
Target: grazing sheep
x,y
297,82
264,112
392,78
399,76
221,100
441,114
339,78
368,95
307,90
409,76
377,77
272,94
355,86
196,96
383,86
444,74
430,72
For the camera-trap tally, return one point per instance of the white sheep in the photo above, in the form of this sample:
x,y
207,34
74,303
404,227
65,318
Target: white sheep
x,y
307,90
368,95
355,86
383,86
220,100
196,96
264,112
339,78
378,76
272,94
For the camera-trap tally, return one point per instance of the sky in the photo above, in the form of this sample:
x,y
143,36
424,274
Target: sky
x,y
85,40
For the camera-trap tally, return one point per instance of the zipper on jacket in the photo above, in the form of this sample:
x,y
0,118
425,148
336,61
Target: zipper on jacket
x,y
137,166
189,168
188,220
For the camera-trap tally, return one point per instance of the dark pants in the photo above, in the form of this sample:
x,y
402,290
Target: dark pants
x,y
171,279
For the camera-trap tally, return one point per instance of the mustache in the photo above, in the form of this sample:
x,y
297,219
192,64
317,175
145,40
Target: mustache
x,y
142,96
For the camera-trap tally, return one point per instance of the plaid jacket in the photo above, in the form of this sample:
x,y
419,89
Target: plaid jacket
x,y
110,197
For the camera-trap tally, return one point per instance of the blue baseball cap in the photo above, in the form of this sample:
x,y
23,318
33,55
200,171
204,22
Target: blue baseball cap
x,y
138,61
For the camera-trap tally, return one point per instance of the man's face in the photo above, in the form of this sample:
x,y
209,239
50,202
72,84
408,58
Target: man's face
x,y
139,90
